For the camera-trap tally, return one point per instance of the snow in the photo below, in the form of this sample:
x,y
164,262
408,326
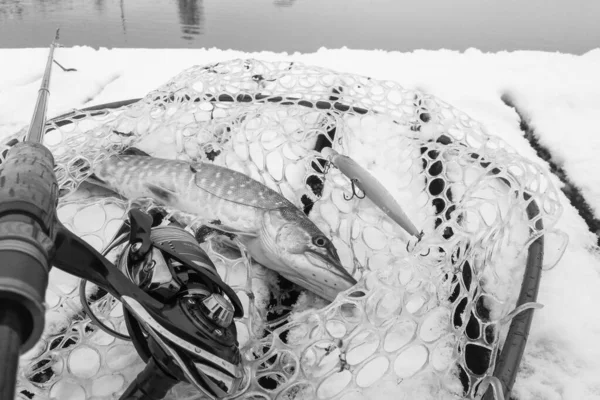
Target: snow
x,y
559,95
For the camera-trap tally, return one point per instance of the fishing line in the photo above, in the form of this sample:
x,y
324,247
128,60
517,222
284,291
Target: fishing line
x,y
83,299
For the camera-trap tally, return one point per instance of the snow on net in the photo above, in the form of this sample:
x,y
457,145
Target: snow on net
x,y
424,321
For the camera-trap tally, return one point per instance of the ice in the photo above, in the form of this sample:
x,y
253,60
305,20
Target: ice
x,y
108,385
334,385
90,219
434,325
441,356
67,391
410,361
84,362
362,347
372,371
399,336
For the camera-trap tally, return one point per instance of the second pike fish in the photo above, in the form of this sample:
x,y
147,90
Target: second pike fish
x,y
276,233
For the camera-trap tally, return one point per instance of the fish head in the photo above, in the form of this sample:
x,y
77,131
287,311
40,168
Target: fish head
x,y
307,256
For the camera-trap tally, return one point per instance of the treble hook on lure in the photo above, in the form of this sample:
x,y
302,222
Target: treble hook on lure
x,y
371,188
354,191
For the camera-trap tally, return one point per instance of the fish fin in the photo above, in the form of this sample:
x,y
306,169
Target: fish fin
x,y
235,187
134,151
98,186
229,230
165,195
94,180
224,246
99,190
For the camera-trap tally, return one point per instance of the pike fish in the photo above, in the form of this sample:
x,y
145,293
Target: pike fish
x,y
275,232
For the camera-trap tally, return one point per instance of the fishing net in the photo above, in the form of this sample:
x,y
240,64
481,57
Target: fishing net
x,y
427,318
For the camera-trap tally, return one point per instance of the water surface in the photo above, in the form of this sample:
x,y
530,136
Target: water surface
x,y
305,25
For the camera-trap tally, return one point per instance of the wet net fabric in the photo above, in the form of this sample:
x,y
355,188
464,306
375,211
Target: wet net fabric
x,y
426,319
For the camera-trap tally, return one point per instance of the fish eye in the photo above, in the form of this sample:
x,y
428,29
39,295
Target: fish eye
x,y
320,241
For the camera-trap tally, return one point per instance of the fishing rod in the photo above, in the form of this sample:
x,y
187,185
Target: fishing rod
x,y
28,199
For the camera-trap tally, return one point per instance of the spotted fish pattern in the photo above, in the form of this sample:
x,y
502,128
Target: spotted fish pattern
x,y
275,232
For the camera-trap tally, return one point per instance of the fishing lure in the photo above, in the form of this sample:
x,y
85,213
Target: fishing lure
x,y
371,188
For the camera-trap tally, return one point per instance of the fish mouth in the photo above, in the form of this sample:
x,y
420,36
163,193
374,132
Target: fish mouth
x,y
332,263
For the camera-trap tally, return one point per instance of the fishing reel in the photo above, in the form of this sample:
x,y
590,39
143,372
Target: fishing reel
x,y
197,343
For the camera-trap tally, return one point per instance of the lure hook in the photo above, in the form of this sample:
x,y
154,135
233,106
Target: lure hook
x,y
419,237
355,191
327,167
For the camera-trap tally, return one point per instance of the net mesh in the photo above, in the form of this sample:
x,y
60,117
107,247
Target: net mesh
x,y
426,319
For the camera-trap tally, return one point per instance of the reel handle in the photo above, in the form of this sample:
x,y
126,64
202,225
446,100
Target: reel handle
x,y
28,198
141,226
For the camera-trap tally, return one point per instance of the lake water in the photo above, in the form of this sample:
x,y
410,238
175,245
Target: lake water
x,y
305,25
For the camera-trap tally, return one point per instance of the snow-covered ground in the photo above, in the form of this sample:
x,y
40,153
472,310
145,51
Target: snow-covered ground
x,y
557,94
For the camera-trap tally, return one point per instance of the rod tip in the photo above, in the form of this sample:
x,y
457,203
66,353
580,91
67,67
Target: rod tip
x,y
57,34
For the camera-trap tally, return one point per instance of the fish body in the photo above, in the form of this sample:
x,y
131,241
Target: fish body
x,y
276,233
